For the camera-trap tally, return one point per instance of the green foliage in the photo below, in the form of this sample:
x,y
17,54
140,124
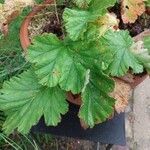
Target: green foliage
x,y
82,3
2,119
99,8
78,21
12,41
82,61
119,44
21,142
144,59
147,43
11,64
60,62
55,63
96,104
29,96
38,1
2,1
144,55
147,3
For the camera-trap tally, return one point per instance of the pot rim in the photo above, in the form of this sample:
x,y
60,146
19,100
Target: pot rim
x,y
24,33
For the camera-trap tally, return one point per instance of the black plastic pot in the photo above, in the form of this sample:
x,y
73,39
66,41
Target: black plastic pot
x,y
109,132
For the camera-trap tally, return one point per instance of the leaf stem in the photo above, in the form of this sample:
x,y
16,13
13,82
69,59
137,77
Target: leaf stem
x,y
56,11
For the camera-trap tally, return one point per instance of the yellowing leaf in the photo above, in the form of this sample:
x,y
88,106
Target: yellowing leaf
x,y
131,9
108,21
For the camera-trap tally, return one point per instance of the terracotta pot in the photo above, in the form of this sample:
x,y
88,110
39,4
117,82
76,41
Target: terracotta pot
x,y
24,33
133,80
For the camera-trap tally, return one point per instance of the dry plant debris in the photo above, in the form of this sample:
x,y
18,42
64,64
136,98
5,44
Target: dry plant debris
x,y
121,93
131,9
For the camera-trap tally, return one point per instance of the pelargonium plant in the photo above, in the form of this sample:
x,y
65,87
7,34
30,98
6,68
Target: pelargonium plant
x,y
86,60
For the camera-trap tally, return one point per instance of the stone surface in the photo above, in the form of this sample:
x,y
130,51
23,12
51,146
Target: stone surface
x,y
138,118
117,147
141,111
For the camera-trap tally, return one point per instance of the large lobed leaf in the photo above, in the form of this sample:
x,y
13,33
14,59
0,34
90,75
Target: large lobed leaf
x,y
25,102
97,106
62,62
56,64
119,43
77,21
74,64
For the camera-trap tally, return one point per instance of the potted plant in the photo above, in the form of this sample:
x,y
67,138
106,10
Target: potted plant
x,y
87,65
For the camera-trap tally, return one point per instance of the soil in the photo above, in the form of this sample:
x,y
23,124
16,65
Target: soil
x,y
62,143
45,21
53,27
49,20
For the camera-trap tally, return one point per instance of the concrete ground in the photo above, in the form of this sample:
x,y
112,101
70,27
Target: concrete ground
x,y
138,118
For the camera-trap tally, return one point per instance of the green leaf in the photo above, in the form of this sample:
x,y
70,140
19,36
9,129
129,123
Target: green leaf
x,y
97,106
10,43
25,101
144,59
142,52
99,7
76,22
147,3
2,1
55,63
119,43
82,3
147,42
86,52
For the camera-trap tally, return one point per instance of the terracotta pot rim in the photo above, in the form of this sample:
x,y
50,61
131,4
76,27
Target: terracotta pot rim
x,y
25,42
24,33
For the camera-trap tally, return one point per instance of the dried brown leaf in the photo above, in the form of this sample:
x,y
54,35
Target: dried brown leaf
x,y
121,93
131,9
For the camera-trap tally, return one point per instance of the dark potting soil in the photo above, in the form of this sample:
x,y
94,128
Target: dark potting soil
x,y
54,26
